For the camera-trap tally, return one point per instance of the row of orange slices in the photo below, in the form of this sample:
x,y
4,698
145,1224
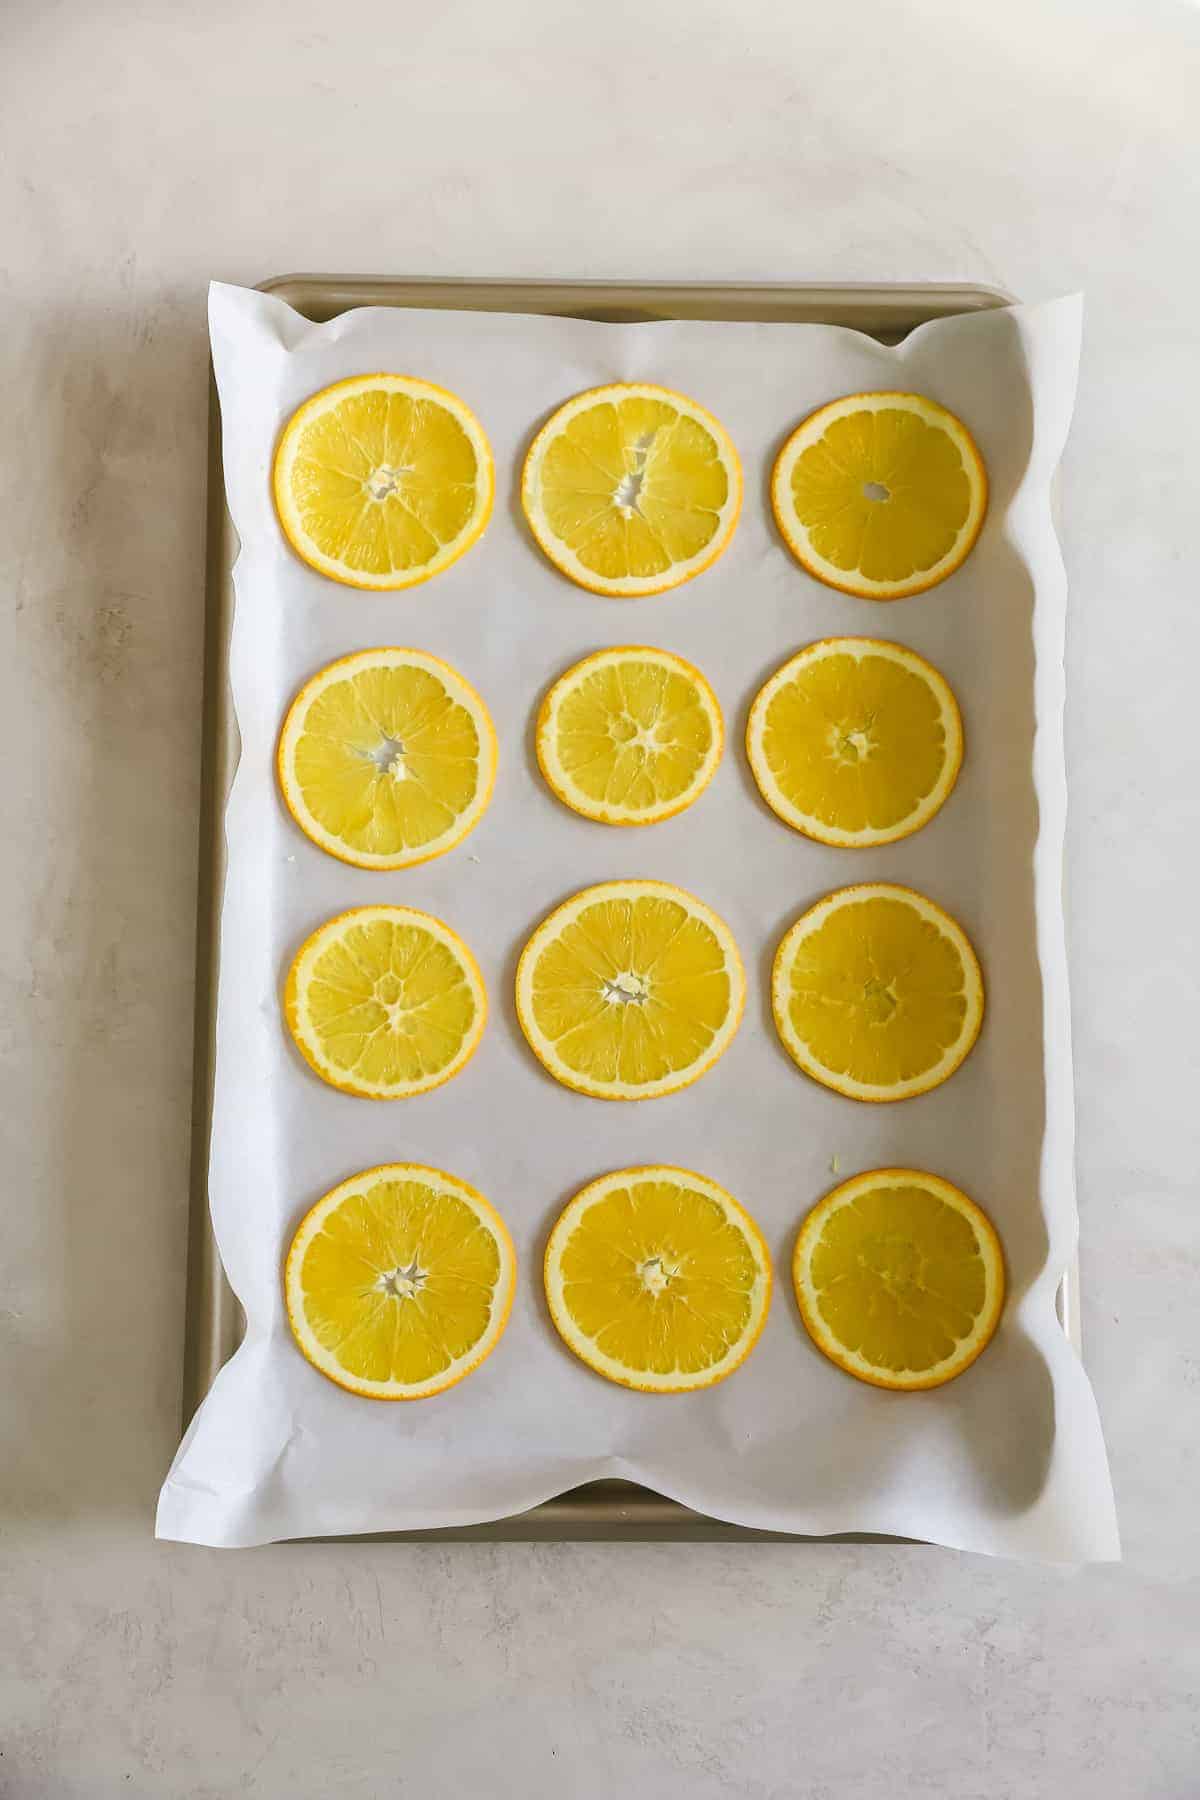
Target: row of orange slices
x,y
400,1281
388,757
384,480
632,990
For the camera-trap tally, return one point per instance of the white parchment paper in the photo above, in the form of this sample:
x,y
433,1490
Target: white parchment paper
x,y
1008,1459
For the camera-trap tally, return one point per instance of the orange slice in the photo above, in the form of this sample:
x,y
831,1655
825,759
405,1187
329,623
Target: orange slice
x,y
658,1279
899,1278
881,495
385,1002
630,736
877,993
383,480
387,758
630,990
855,742
400,1282
632,489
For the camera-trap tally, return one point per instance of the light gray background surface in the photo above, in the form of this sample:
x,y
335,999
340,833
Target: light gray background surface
x,y
145,148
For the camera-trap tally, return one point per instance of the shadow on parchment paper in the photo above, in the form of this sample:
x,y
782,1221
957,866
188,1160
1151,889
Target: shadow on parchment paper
x,y
986,1437
110,632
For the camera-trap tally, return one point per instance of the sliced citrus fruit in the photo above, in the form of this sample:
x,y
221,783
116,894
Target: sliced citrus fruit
x,y
385,1002
630,990
877,993
630,736
387,758
400,1282
899,1278
631,489
658,1279
855,742
383,480
880,495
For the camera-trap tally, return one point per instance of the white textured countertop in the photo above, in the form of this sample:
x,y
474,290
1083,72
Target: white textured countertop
x,y
1040,146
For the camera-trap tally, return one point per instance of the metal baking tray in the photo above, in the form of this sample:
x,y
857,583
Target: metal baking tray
x,y
604,1509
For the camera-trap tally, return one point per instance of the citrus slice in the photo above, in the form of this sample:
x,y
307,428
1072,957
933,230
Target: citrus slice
x,y
387,758
630,990
630,736
632,489
877,993
855,742
881,495
400,1282
385,1002
383,480
899,1278
658,1279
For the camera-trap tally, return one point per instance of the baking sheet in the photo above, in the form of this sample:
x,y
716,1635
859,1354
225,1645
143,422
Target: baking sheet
x,y
1009,1458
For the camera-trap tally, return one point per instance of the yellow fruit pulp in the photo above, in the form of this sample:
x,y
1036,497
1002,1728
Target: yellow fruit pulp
x,y
657,1279
390,759
626,992
397,1279
900,1277
859,742
629,735
631,489
913,524
385,1001
880,494
880,994
382,480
